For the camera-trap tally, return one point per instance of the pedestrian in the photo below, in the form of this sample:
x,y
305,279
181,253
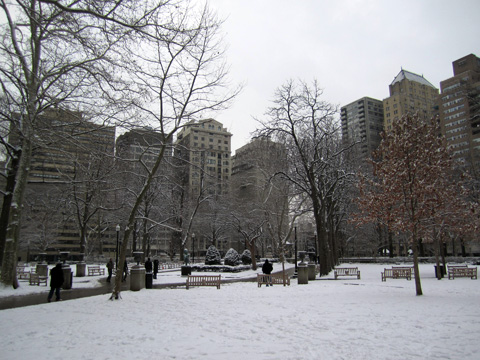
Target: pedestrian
x,y
56,282
110,269
125,271
155,268
267,270
148,265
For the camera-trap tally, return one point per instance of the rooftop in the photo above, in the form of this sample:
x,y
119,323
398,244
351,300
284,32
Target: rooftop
x,y
404,74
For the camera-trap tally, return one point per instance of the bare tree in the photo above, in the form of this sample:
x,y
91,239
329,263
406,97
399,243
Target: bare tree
x,y
176,76
57,54
300,119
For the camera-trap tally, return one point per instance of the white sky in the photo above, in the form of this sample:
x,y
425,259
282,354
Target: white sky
x,y
353,48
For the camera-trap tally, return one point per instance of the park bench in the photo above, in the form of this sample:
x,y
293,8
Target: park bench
x,y
204,280
397,273
411,268
461,271
36,279
346,271
95,270
22,274
270,279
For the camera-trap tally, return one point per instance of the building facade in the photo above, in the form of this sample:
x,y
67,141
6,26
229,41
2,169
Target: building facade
x,y
409,93
70,161
205,148
459,110
362,123
137,151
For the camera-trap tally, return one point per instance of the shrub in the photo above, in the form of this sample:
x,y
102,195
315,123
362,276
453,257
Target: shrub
x,y
212,257
231,257
246,257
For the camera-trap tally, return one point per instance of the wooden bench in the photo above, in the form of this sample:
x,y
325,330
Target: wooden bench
x,y
346,271
397,273
95,270
270,279
461,271
36,279
204,280
22,274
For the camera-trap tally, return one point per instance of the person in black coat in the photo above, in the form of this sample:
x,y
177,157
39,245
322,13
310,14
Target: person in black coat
x,y
148,265
125,270
56,282
155,268
110,269
267,268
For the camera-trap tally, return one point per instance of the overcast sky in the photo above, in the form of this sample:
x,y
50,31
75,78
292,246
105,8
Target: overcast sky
x,y
353,48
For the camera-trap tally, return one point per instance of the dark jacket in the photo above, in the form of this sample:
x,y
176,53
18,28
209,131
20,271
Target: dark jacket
x,y
56,276
110,265
155,265
148,265
267,267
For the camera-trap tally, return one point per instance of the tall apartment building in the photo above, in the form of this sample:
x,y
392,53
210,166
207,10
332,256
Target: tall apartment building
x,y
137,151
409,93
65,140
255,191
67,149
459,108
206,147
362,123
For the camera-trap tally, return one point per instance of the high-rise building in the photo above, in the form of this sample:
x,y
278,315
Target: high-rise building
x,y
409,93
68,151
205,146
137,152
256,191
459,108
362,123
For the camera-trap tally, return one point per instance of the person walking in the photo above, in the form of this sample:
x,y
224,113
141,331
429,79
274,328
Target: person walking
x,y
56,282
148,266
110,269
155,268
267,268
125,271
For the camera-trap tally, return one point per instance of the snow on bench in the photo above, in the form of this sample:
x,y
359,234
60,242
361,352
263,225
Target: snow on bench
x,y
461,271
346,271
36,279
270,279
95,270
397,273
204,280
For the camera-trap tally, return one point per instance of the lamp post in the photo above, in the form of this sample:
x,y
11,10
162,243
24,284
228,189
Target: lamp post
x,y
316,249
117,228
296,268
193,248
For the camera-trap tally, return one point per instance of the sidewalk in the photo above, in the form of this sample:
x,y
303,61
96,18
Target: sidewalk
x,y
105,288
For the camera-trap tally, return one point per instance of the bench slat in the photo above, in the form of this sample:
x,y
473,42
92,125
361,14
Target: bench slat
x,y
203,280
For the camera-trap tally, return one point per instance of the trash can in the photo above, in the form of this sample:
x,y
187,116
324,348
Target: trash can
x,y
137,278
148,280
186,270
442,271
302,274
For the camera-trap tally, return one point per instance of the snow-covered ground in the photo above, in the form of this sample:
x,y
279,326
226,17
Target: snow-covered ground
x,y
326,319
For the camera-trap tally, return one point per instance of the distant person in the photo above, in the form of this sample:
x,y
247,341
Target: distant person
x,y
110,270
56,282
155,268
267,269
125,271
148,265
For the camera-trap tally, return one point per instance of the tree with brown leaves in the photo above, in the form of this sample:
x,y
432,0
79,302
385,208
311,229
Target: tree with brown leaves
x,y
413,187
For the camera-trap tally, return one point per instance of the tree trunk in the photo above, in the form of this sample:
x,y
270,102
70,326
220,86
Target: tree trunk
x,y
7,200
418,285
9,263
